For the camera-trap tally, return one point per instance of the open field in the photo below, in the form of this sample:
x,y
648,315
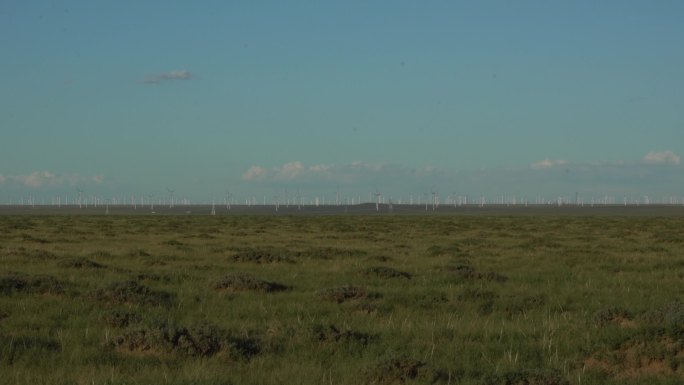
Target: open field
x,y
345,299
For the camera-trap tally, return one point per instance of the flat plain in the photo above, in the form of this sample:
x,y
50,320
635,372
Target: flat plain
x,y
341,299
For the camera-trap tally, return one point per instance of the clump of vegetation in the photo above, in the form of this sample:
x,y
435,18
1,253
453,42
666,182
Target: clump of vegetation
x,y
204,340
31,238
670,318
427,299
131,292
476,295
38,254
453,250
385,272
613,315
81,263
139,253
403,370
365,308
260,255
151,277
101,254
668,313
330,253
331,334
15,347
516,306
246,282
379,258
468,272
11,284
638,356
525,377
119,318
39,284
173,242
343,293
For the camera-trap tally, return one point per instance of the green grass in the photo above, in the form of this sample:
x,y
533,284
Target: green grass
x,y
341,300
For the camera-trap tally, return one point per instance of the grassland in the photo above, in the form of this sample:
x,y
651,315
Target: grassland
x,y
341,300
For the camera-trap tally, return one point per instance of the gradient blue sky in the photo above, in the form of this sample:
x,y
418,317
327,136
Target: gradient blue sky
x,y
481,97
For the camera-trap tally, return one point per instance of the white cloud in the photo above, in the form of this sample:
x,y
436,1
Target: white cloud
x,y
255,173
319,168
548,163
166,76
290,170
547,177
38,179
662,157
339,173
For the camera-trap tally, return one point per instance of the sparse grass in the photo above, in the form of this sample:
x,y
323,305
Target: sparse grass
x,y
344,299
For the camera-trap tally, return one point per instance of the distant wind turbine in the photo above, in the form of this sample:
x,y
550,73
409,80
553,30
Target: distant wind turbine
x,y
229,197
170,197
377,200
149,197
80,196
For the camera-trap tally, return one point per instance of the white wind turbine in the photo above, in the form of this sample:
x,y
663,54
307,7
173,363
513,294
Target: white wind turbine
x,y
171,192
377,200
435,197
229,197
149,197
80,196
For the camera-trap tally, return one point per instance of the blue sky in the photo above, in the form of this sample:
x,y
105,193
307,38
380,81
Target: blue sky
x,y
521,98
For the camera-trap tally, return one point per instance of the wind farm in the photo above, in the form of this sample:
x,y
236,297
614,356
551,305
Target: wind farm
x,y
349,205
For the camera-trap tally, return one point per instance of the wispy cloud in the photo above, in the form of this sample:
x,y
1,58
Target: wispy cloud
x,y
347,173
255,173
548,163
37,179
168,76
662,157
658,158
291,170
657,172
